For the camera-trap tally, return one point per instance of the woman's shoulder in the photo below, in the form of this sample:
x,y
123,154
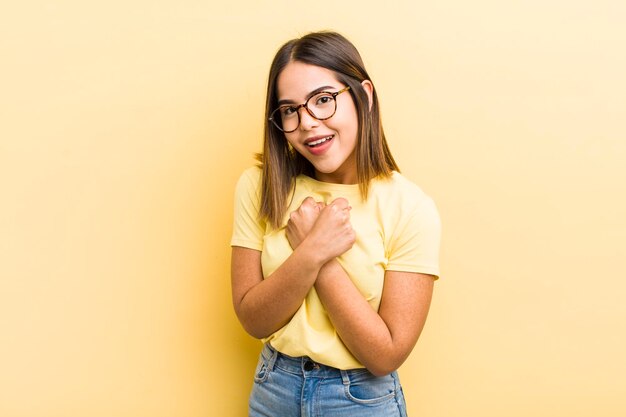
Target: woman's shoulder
x,y
407,203
397,187
251,175
253,172
249,183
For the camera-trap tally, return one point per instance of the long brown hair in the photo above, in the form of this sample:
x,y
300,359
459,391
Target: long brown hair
x,y
282,164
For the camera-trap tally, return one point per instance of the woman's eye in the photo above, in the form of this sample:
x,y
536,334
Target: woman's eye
x,y
288,110
325,99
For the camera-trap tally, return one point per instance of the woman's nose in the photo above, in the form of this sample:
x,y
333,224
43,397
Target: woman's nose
x,y
307,122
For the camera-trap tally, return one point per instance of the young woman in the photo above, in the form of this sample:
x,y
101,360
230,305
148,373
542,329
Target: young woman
x,y
334,252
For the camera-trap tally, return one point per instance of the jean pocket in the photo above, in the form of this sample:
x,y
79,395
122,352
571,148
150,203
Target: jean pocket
x,y
366,388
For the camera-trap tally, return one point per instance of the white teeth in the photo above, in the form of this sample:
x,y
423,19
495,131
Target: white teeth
x,y
317,142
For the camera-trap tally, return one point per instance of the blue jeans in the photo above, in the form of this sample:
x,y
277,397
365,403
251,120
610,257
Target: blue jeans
x,y
285,386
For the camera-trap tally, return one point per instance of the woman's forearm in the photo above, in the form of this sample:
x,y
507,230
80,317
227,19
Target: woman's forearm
x,y
360,327
363,330
269,304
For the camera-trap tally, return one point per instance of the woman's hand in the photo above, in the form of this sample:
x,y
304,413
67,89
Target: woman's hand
x,y
302,220
332,233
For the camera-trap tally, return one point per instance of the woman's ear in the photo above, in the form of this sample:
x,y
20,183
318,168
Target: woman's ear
x,y
369,90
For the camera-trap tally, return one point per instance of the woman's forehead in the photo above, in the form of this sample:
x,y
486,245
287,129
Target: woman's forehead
x,y
297,80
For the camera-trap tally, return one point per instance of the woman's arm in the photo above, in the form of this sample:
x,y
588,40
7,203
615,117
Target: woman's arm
x,y
380,341
265,305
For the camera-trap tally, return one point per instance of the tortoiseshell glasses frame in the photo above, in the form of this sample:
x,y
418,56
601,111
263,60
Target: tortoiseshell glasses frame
x,y
285,113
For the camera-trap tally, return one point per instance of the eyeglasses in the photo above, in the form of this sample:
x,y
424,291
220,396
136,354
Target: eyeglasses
x,y
321,106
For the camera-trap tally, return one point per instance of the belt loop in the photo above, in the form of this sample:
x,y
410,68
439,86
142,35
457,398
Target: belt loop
x,y
344,377
274,355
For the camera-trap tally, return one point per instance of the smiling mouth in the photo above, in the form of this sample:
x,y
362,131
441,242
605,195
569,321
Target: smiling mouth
x,y
319,142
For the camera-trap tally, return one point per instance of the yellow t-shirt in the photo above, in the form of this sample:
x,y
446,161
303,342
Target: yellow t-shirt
x,y
397,229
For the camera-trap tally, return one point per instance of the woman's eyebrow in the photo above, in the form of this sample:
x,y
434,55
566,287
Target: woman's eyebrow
x,y
311,94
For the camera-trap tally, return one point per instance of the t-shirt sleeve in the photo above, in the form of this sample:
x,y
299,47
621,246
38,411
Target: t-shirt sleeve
x,y
248,230
415,246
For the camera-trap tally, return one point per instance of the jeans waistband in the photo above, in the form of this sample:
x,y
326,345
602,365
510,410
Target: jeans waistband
x,y
303,365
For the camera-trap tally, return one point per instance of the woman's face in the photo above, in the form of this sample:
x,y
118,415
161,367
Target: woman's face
x,y
329,145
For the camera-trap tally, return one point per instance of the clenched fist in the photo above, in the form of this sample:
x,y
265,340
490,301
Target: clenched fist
x,y
326,228
302,220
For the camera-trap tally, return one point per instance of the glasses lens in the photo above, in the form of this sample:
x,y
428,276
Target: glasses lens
x,y
285,118
322,106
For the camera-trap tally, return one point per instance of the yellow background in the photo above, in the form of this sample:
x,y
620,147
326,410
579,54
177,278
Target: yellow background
x,y
125,124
